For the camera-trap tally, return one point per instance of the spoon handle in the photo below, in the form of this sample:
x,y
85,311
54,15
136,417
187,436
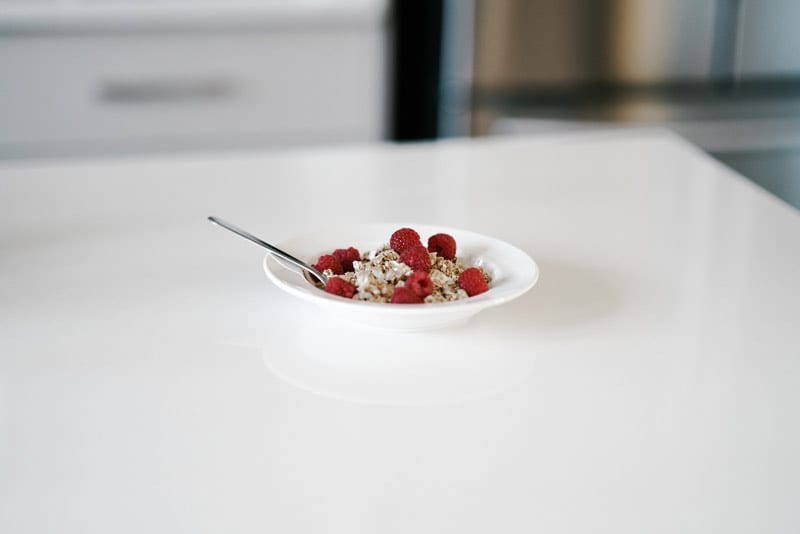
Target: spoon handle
x,y
274,250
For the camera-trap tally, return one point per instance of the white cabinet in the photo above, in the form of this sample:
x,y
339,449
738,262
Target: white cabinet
x,y
111,85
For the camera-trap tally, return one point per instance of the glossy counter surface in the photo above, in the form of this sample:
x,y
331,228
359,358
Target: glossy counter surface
x,y
153,380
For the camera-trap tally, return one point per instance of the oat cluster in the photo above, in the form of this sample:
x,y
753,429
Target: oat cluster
x,y
379,271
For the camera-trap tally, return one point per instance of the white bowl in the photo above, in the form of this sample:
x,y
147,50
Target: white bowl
x,y
513,273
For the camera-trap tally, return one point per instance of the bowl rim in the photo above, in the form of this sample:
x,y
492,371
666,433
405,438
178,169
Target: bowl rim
x,y
270,265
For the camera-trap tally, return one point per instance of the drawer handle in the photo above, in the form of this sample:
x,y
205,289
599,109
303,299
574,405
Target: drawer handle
x,y
154,91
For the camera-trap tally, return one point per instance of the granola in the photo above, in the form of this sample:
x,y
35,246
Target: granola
x,y
379,271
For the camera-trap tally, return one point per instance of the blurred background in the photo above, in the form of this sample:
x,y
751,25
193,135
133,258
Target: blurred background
x,y
86,78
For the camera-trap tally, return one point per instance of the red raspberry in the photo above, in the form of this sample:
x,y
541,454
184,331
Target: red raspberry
x,y
340,287
346,257
417,258
443,245
403,239
472,282
420,283
404,295
327,261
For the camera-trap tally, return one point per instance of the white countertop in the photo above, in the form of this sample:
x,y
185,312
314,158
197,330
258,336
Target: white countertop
x,y
152,380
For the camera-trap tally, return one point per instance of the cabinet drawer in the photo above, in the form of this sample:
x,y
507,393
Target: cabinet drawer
x,y
115,88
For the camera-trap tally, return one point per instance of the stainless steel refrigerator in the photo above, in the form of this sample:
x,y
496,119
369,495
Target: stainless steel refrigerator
x,y
723,73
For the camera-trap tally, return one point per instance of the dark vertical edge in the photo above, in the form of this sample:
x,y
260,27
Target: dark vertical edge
x,y
725,36
417,69
457,67
596,23
477,36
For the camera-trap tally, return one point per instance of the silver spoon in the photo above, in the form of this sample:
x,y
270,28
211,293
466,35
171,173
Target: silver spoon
x,y
272,249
